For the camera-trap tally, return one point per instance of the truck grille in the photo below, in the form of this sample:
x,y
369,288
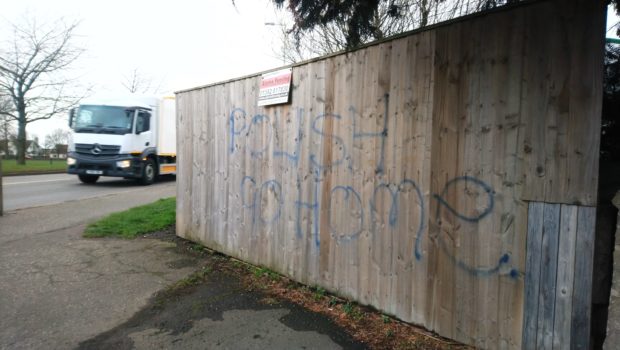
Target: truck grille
x,y
97,149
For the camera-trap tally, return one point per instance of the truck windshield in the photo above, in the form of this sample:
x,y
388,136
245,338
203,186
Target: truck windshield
x,y
104,119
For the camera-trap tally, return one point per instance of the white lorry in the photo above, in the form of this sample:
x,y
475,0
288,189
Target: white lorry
x,y
130,137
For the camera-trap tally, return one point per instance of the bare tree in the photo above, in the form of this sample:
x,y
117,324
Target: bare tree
x,y
138,82
323,37
34,65
55,140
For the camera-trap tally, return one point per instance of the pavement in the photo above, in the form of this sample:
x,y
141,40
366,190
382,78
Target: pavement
x,y
61,291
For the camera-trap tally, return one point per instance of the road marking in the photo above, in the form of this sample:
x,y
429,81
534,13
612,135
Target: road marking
x,y
35,182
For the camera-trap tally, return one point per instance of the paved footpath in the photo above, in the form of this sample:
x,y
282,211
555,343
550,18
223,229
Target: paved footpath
x,y
61,291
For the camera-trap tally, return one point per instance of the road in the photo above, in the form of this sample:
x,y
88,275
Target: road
x,y
37,190
59,290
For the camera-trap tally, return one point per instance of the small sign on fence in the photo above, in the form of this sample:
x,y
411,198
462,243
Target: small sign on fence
x,y
275,87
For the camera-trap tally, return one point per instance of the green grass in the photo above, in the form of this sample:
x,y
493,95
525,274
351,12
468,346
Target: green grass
x,y
333,301
135,221
352,311
319,293
10,166
263,271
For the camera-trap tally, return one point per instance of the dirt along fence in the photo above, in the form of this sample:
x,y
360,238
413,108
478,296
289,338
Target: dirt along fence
x,y
447,176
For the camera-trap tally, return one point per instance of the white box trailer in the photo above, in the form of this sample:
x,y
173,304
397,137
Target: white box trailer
x,y
129,136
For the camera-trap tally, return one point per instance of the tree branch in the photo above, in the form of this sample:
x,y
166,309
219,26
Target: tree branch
x,y
32,73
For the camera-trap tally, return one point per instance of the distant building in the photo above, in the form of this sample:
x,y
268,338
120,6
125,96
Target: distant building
x,y
33,149
58,152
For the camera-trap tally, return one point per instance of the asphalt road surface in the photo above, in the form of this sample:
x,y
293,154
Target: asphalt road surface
x,y
37,190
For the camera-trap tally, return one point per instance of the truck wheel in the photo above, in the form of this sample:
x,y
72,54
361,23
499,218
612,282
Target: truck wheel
x,y
88,179
148,173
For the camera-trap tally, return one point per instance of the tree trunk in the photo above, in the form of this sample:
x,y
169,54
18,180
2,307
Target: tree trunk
x,y
425,10
5,146
21,133
5,134
21,143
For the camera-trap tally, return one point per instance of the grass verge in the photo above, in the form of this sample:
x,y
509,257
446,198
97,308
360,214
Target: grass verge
x,y
10,167
135,221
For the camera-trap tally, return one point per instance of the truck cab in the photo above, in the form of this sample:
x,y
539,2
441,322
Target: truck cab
x,y
129,137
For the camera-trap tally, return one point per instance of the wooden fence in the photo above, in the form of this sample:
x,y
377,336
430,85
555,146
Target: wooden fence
x,y
401,174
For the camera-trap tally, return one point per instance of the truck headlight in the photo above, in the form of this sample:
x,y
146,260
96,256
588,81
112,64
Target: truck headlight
x,y
123,163
70,161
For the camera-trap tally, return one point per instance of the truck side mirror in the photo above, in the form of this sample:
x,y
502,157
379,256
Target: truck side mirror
x,y
71,116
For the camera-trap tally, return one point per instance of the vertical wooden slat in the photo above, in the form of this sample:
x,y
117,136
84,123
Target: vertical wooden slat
x,y
182,175
582,285
336,101
339,212
383,115
512,222
317,77
308,223
487,244
548,276
535,217
566,275
420,135
403,257
465,237
447,147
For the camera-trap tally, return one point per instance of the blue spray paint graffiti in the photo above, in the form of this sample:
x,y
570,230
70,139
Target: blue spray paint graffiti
x,y
350,195
257,120
270,186
393,216
394,190
307,205
240,113
467,180
478,184
344,158
339,141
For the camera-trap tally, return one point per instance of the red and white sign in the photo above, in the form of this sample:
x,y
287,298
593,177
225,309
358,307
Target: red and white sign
x,y
275,87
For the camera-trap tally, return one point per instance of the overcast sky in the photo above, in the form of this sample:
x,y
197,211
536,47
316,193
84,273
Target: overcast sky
x,y
179,44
